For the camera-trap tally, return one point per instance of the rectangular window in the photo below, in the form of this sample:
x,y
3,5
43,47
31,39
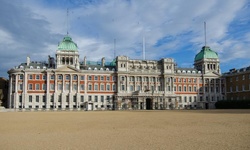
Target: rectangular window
x,y
67,98
108,87
243,87
82,87
74,98
75,77
190,89
174,88
138,87
108,78
44,98
194,98
131,88
123,87
190,99
114,87
20,98
51,98
89,98
37,98
101,78
195,80
90,87
30,76
82,98
37,77
21,86
185,88
37,86
52,77
59,87
185,99
96,87
67,77
236,78
179,88
89,78
243,77
96,77
60,98
82,77
96,98
44,86
52,86
20,76
114,78
66,86
75,87
108,98
102,99
102,87
152,88
30,99
44,77
59,77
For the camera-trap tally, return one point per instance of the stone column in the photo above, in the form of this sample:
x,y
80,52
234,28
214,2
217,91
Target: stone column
x,y
10,91
16,97
47,103
70,93
25,95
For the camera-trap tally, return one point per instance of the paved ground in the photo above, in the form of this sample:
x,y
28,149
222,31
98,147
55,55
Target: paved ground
x,y
172,129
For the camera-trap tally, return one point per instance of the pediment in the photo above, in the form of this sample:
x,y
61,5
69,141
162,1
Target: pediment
x,y
213,74
67,69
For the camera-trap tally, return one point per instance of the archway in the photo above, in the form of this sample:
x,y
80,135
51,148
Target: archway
x,y
149,104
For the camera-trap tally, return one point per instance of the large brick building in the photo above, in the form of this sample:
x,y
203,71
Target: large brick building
x,y
124,83
238,84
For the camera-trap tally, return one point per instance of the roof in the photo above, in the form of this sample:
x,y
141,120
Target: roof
x,y
206,52
67,44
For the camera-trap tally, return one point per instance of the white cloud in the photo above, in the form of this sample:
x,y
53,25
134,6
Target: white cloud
x,y
94,26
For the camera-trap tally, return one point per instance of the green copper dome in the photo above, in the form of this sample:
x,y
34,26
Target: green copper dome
x,y
206,52
67,44
113,63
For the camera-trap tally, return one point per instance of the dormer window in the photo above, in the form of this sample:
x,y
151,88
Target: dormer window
x,y
21,67
31,67
107,69
38,67
89,68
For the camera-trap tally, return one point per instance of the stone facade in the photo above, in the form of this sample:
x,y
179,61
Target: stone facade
x,y
124,83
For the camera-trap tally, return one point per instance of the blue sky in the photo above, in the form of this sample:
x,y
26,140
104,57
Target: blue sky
x,y
172,28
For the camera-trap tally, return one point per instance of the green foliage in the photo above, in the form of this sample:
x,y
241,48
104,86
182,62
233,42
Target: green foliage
x,y
233,104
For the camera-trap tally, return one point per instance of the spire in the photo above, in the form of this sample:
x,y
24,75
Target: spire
x,y
143,48
205,33
67,21
114,48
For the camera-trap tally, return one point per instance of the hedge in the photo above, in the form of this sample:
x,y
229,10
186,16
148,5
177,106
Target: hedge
x,y
233,104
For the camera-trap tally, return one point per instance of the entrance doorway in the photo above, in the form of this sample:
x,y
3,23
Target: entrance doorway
x,y
149,104
206,106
